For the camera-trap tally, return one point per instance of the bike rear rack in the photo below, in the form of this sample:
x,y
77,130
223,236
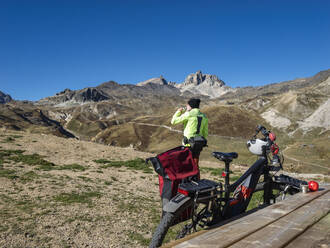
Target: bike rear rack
x,y
202,188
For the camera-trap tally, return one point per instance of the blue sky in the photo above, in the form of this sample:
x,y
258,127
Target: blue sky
x,y
46,46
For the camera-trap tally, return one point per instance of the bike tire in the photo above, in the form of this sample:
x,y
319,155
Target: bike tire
x,y
161,230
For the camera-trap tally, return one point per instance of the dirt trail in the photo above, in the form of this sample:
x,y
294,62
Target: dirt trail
x,y
302,162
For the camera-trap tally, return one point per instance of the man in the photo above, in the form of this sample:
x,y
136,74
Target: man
x,y
195,126
195,129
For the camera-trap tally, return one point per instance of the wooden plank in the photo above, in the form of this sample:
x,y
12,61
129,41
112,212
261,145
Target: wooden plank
x,y
234,231
316,236
179,241
283,231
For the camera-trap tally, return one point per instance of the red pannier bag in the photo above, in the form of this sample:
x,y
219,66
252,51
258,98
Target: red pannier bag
x,y
172,166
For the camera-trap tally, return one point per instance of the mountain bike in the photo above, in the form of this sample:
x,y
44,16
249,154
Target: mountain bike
x,y
208,202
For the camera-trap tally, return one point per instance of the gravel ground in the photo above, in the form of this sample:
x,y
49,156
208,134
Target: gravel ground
x,y
86,207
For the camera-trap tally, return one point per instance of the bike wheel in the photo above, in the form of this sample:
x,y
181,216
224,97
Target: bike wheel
x,y
161,230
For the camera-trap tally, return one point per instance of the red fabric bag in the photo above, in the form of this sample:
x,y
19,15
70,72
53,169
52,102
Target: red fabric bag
x,y
177,163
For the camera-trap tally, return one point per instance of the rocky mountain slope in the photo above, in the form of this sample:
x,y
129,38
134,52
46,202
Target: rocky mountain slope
x,y
288,106
25,116
110,91
296,106
279,88
4,98
139,115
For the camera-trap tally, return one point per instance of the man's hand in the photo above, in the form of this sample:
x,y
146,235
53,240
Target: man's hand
x,y
181,109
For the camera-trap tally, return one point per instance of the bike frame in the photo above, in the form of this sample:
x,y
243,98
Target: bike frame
x,y
182,201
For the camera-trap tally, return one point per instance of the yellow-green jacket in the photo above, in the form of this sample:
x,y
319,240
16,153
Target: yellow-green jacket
x,y
190,123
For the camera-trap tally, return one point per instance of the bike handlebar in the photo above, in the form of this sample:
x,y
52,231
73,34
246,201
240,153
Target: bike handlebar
x,y
263,130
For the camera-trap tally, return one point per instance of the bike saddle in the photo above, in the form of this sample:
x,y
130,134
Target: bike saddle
x,y
226,157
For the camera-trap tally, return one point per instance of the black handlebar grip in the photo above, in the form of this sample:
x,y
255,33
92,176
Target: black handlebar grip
x,y
258,128
263,130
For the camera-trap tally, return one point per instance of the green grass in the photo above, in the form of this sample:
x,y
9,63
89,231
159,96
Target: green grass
x,y
139,238
8,140
72,198
28,177
212,171
218,173
17,136
7,153
11,139
313,155
308,150
234,178
135,164
73,167
84,218
102,161
256,200
85,179
223,144
6,173
33,159
26,206
5,198
17,156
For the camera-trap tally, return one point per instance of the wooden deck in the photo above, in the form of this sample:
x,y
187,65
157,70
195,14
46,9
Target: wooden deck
x,y
300,221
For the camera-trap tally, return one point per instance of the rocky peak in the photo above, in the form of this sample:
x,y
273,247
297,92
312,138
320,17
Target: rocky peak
x,y
174,84
108,85
4,98
66,91
90,95
200,78
160,81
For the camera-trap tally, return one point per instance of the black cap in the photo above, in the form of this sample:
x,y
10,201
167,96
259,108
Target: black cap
x,y
194,102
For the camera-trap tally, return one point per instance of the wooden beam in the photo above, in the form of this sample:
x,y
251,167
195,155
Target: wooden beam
x,y
283,231
316,236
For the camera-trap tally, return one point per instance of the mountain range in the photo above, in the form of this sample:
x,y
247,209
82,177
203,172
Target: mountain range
x,y
139,115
